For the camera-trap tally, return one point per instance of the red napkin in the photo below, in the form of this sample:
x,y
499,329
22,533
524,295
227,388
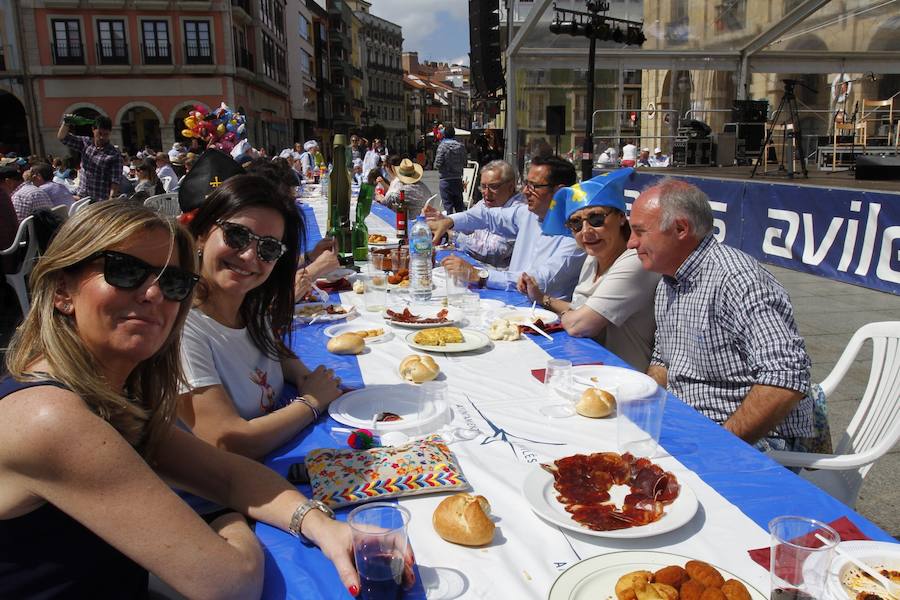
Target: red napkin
x,y
539,373
546,328
341,285
845,528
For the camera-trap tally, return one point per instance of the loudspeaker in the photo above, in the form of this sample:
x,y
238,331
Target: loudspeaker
x,y
484,41
750,136
749,111
726,149
556,120
878,167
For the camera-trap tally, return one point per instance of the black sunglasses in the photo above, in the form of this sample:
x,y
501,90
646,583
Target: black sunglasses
x,y
236,236
127,272
594,220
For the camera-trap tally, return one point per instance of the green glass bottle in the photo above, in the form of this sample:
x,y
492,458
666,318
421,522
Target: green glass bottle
x,y
339,202
77,120
360,230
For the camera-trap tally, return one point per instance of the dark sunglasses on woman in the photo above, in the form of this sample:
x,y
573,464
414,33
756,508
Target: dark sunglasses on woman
x,y
238,237
593,219
127,272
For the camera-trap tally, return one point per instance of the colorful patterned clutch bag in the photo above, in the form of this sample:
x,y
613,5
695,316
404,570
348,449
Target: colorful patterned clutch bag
x,y
341,477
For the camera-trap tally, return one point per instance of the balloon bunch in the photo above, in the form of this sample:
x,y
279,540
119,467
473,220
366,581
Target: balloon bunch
x,y
221,128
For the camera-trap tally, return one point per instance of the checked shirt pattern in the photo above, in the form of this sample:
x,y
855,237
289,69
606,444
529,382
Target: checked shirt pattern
x,y
725,324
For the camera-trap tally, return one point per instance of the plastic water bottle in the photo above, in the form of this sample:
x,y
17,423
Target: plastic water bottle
x,y
420,249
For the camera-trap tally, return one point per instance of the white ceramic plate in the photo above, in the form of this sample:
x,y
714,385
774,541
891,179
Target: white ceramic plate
x,y
492,304
473,341
639,384
357,408
360,325
596,577
521,315
391,241
337,274
875,554
541,496
323,318
454,315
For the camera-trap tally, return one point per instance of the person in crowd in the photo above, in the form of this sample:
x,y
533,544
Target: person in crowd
x,y
726,340
42,177
644,158
613,301
408,176
608,158
101,163
146,178
357,148
498,189
381,186
308,158
26,197
450,160
234,359
659,159
374,158
356,170
165,173
554,261
629,154
89,443
389,176
176,150
61,174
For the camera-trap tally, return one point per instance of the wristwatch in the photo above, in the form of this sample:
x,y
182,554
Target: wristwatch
x,y
482,277
301,512
545,301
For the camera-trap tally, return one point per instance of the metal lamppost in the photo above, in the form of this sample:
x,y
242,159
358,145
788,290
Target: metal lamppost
x,y
594,26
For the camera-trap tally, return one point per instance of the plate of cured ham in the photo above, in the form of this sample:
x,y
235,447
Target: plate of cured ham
x,y
422,317
610,495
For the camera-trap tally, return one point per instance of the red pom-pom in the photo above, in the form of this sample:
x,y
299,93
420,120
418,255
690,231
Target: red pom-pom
x,y
361,439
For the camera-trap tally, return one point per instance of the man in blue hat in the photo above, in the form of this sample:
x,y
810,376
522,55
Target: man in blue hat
x,y
613,301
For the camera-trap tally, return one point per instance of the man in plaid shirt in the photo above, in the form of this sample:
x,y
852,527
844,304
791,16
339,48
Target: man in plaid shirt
x,y
726,340
101,163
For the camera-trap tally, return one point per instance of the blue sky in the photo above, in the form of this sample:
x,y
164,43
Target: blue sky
x,y
436,29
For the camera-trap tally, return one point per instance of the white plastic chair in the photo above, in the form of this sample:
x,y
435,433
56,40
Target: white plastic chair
x,y
469,178
79,204
62,211
874,429
27,242
164,204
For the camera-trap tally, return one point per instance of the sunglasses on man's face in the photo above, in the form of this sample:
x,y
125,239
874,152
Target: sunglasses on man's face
x,y
238,237
594,220
127,272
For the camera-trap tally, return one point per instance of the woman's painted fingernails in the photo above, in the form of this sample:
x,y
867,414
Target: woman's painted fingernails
x,y
354,591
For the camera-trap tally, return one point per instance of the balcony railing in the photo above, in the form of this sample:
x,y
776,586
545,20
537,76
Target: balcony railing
x,y
67,53
156,53
242,4
198,53
244,58
112,53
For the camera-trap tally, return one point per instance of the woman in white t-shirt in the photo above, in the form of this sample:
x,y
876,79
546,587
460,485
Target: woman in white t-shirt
x,y
234,359
613,301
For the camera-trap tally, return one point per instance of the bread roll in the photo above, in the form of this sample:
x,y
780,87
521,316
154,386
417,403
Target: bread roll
x,y
419,368
595,403
463,519
346,343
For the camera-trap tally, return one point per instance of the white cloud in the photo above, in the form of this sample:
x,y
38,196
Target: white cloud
x,y
434,29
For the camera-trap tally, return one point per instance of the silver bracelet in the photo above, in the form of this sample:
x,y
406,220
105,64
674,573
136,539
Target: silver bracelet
x,y
300,513
309,405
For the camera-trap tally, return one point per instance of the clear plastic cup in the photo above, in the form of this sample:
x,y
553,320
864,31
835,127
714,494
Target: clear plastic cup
x,y
639,418
375,294
801,553
378,532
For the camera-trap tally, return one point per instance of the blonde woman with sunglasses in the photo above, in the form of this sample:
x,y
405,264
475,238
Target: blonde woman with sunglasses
x,y
235,359
89,443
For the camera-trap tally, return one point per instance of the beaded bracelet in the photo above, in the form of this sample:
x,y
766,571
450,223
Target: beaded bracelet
x,y
309,405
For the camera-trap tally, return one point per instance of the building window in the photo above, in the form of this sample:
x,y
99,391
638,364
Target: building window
x,y
268,56
537,105
303,29
67,46
155,43
731,15
305,62
111,46
278,23
197,43
280,65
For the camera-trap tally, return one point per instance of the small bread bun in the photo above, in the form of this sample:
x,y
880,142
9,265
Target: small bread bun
x,y
346,343
419,368
595,403
463,519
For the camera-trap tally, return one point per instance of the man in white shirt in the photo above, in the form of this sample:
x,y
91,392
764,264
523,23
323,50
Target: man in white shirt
x,y
553,260
659,159
629,155
165,173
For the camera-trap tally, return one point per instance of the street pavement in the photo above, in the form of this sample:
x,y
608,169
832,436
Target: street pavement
x,y
828,313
